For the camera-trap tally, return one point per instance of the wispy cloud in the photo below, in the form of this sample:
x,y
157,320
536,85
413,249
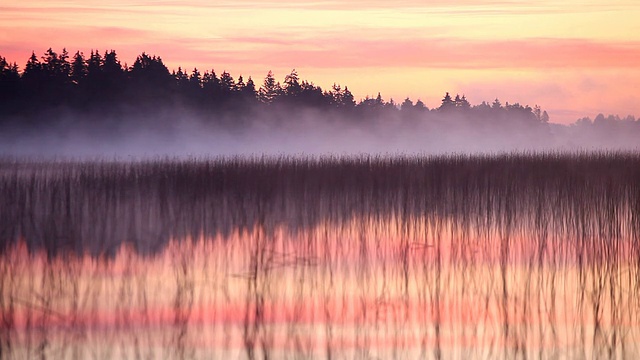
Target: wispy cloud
x,y
479,6
450,53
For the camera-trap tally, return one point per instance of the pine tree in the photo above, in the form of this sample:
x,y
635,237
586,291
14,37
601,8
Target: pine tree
x,y
211,83
78,68
420,105
379,101
336,95
270,89
195,79
8,72
111,67
182,79
457,101
464,104
447,103
240,84
94,65
33,68
545,117
227,84
348,100
292,87
9,86
57,68
406,105
249,90
33,78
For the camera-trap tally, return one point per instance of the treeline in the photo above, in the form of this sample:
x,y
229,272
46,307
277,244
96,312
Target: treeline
x,y
100,82
98,93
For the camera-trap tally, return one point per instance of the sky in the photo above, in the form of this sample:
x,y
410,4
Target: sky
x,y
573,58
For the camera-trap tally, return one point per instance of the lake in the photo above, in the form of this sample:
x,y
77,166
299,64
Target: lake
x,y
457,256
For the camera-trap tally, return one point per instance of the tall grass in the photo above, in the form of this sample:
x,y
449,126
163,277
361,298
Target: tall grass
x,y
515,255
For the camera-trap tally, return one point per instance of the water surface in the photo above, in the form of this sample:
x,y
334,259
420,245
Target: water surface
x,y
447,257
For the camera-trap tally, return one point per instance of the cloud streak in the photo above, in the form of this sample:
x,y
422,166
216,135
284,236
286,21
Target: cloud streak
x,y
441,52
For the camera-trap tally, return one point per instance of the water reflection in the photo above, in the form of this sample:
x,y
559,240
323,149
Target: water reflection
x,y
444,258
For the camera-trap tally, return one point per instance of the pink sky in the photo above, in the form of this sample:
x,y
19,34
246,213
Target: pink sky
x,y
575,59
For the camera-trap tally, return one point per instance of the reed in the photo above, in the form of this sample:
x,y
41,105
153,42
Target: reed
x,y
509,255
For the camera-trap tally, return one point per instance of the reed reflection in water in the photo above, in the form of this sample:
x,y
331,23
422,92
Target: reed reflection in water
x,y
447,257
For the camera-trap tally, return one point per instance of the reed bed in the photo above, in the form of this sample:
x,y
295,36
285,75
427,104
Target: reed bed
x,y
495,256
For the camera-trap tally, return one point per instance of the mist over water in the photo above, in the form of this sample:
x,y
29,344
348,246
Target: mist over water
x,y
311,132
86,106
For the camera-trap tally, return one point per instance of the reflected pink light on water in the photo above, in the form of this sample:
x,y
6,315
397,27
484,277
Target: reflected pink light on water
x,y
387,288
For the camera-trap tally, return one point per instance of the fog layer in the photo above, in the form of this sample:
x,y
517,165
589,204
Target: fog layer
x,y
302,131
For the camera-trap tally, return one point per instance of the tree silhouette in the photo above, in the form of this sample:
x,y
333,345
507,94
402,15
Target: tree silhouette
x,y
149,81
10,90
420,106
379,101
100,85
94,66
249,90
113,76
78,68
227,85
181,80
313,96
407,105
94,78
447,103
8,72
545,117
33,79
57,67
240,84
292,87
462,103
211,89
270,89
348,101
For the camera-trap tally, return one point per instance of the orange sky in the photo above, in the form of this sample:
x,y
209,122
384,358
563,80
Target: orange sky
x,y
574,58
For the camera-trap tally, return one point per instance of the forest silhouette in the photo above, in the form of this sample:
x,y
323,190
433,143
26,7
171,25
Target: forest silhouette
x,y
98,89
